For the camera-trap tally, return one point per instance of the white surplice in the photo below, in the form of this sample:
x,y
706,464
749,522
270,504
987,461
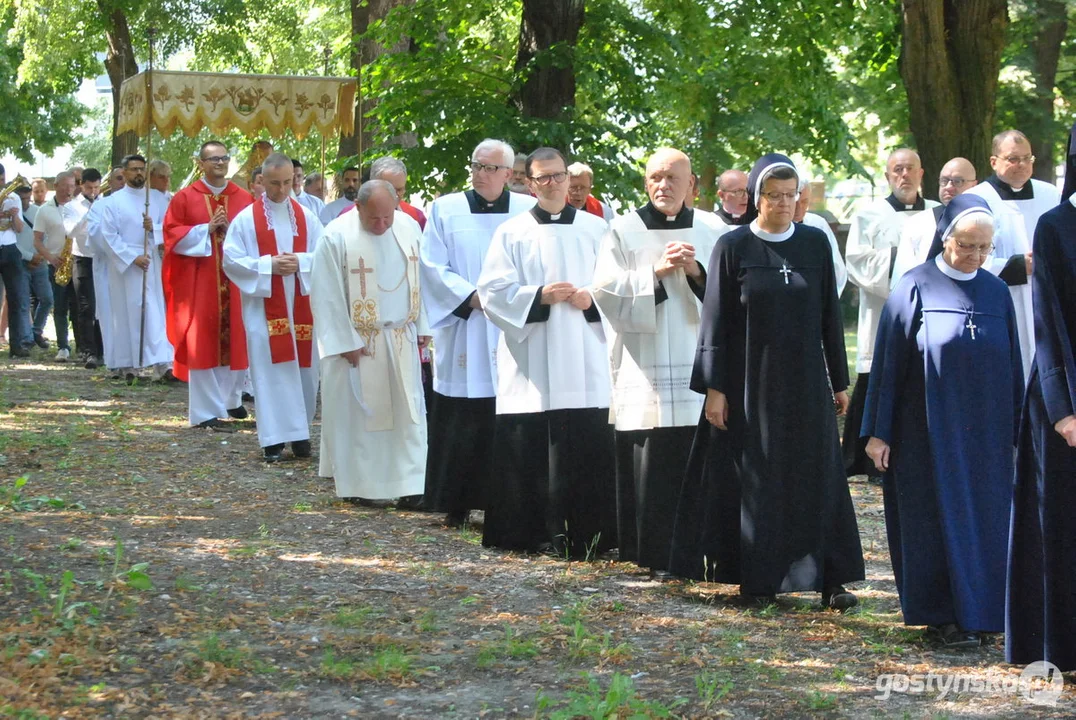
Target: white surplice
x,y
839,270
287,394
367,463
95,245
652,344
454,247
122,237
1014,223
873,236
561,362
916,237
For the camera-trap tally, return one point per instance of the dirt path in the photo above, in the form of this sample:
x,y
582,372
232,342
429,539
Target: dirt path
x,y
150,570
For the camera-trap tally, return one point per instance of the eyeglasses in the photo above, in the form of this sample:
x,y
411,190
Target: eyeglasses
x,y
217,159
776,197
955,182
742,192
983,250
546,179
1017,159
477,167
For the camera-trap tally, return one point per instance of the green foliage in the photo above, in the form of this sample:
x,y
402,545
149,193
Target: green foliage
x,y
35,114
510,647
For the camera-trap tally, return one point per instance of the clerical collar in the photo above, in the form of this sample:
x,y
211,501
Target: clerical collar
x,y
919,204
480,205
654,219
564,217
1005,191
951,271
214,189
773,237
728,217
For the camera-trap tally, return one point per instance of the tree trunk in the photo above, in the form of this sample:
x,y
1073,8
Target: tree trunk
x,y
1052,23
120,64
548,32
364,51
949,63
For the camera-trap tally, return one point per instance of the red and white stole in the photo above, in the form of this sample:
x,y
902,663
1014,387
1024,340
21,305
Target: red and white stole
x,y
281,346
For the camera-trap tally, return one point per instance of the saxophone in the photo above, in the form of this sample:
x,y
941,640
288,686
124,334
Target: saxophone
x,y
67,259
19,181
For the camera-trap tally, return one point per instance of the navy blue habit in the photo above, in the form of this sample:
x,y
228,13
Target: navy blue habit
x,y
945,393
1041,613
765,504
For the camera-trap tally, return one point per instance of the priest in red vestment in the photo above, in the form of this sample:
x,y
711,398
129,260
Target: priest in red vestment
x,y
205,320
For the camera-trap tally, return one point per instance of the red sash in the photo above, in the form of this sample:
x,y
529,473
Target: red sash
x,y
281,346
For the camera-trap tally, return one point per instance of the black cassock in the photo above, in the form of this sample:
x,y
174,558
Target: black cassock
x,y
766,504
1041,606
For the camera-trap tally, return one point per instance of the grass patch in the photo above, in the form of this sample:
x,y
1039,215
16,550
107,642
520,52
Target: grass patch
x,y
510,647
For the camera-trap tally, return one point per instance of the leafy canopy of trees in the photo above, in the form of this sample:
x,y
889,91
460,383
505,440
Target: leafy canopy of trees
x,y
723,81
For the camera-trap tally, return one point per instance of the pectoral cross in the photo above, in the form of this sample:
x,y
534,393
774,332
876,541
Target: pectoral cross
x,y
971,326
362,271
785,271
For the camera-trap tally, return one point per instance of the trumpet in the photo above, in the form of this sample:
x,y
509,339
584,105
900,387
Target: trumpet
x,y
19,181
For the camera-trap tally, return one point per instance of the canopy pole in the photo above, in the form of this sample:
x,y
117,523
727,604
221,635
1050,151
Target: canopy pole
x,y
150,32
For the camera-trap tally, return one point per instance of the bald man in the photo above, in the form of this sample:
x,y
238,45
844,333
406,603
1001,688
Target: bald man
x,y
869,254
732,191
1017,201
917,235
649,283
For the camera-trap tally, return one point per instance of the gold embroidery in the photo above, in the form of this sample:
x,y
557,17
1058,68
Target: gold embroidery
x,y
304,332
364,318
281,326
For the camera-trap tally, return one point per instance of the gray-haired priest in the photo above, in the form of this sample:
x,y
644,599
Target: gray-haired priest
x,y
370,325
462,411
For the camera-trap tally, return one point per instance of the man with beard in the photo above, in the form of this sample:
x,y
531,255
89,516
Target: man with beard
x,y
349,181
125,226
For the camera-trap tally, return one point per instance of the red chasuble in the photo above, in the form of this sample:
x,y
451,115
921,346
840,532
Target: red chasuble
x,y
594,206
281,346
203,312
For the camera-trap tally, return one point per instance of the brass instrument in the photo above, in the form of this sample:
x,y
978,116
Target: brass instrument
x,y
19,181
257,156
67,260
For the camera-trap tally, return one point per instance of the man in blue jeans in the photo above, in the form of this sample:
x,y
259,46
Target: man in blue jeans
x,y
36,283
12,271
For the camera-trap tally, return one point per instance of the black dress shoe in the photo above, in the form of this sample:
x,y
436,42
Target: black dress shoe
x,y
239,413
409,502
760,601
838,598
301,448
953,637
215,424
247,397
19,352
457,518
92,361
41,342
273,453
130,378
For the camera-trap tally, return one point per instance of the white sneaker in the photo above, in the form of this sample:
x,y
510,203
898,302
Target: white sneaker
x,y
63,355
